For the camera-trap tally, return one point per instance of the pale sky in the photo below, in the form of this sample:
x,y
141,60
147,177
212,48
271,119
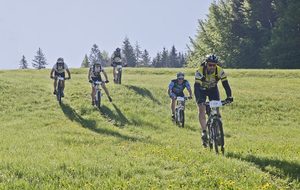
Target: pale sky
x,y
69,28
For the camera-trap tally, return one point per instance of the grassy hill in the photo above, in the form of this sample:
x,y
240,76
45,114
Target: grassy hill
x,y
132,143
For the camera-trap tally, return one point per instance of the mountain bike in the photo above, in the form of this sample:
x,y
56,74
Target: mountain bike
x,y
96,85
179,111
215,126
59,89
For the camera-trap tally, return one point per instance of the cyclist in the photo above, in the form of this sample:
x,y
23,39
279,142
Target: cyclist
x,y
206,79
59,71
176,88
116,59
95,75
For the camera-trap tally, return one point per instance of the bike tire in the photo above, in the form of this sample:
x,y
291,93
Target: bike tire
x,y
210,134
58,93
120,77
98,102
182,118
218,135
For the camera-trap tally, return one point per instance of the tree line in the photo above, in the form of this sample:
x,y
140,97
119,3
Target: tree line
x,y
250,34
134,56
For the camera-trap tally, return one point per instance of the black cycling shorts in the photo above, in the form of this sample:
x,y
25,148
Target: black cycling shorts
x,y
59,74
201,93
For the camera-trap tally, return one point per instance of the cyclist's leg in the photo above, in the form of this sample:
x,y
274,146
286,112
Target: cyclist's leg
x,y
55,82
200,96
114,70
173,101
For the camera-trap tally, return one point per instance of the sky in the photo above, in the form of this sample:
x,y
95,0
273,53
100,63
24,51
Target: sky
x,y
69,28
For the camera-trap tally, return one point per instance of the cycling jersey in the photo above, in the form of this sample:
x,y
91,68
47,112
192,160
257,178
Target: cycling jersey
x,y
60,68
96,70
177,88
206,80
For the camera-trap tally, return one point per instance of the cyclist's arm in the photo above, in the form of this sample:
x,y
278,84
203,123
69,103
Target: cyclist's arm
x,y
171,85
188,87
69,74
105,75
51,73
227,88
89,75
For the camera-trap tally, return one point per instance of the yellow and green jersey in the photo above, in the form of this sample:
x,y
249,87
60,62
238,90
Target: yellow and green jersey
x,y
209,80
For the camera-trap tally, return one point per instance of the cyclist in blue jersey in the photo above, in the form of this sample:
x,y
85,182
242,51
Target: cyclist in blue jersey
x,y
176,88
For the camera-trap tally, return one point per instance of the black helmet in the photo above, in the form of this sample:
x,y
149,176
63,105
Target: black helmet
x,y
212,58
60,60
118,49
180,75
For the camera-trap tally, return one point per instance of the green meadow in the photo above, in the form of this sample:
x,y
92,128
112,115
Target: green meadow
x,y
131,143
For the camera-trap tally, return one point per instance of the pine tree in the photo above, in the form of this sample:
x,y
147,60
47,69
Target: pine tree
x,y
165,62
173,57
85,63
23,63
138,53
128,52
146,60
156,62
39,61
95,55
105,58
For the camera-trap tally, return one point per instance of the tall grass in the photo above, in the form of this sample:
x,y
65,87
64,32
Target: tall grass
x,y
132,143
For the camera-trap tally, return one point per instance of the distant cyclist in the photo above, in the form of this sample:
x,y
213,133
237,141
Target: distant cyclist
x,y
176,88
116,59
59,70
95,75
206,79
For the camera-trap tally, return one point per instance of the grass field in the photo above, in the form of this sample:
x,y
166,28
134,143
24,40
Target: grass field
x,y
132,143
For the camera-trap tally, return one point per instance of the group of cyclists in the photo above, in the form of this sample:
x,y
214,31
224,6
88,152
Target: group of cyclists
x,y
206,78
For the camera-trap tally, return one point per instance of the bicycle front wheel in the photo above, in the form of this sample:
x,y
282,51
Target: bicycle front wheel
x,y
218,135
98,102
182,118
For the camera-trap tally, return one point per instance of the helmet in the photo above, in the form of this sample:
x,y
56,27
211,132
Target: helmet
x,y
118,49
60,60
212,58
180,75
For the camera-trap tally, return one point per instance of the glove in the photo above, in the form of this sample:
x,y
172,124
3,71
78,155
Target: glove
x,y
90,81
229,99
106,81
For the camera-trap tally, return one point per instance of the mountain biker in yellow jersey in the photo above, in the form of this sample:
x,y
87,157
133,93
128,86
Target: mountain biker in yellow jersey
x,y
95,75
176,88
117,59
59,70
206,79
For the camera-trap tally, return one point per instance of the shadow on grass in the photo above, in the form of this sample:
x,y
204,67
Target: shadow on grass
x,y
143,92
284,169
91,124
119,119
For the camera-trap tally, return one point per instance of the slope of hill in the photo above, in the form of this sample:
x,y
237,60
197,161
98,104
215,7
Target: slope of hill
x,y
132,143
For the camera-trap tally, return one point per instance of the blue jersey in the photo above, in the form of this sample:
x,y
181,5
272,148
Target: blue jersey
x,y
177,88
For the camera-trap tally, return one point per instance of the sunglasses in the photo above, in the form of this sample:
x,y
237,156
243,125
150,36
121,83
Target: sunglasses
x,y
211,65
180,78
